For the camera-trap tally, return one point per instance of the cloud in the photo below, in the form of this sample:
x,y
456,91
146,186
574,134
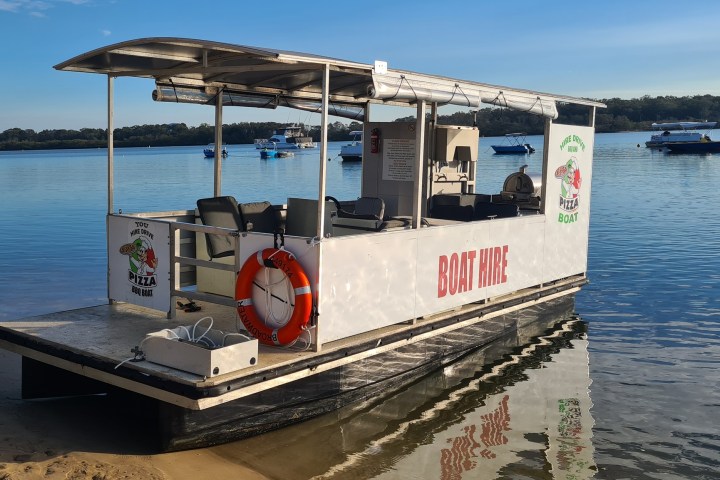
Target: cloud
x,y
106,32
34,7
6,6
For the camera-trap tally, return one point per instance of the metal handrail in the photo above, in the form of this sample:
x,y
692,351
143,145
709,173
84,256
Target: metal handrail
x,y
177,260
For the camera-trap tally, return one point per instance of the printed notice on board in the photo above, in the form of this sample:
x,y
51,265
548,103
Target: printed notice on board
x,y
398,159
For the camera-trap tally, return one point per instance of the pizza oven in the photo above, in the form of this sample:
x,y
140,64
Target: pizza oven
x,y
522,188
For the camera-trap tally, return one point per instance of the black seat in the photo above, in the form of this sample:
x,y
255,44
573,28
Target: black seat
x,y
260,217
220,212
366,208
367,215
452,207
466,207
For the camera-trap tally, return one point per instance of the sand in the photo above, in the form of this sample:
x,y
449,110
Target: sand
x,y
74,439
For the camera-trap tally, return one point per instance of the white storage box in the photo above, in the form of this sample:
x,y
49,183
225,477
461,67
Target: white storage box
x,y
212,353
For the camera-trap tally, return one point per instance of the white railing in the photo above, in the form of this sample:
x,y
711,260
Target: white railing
x,y
177,261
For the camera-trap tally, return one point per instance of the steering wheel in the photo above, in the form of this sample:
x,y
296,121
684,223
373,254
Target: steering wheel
x,y
334,200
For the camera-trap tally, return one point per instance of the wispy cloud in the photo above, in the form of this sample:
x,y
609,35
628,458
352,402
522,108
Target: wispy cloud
x,y
35,8
106,32
6,6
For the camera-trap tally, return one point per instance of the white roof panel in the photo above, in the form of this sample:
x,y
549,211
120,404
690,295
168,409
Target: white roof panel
x,y
285,77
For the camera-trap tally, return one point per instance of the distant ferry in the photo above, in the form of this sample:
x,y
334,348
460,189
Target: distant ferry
x,y
681,133
290,137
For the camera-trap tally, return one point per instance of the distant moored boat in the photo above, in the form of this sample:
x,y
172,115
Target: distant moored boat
x,y
209,151
515,144
677,132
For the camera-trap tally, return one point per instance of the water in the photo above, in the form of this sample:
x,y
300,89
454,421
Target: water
x,y
648,346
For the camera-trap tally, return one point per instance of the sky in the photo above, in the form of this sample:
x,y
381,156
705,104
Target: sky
x,y
609,49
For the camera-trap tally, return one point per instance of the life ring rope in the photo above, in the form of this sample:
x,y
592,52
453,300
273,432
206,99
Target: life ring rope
x,y
286,262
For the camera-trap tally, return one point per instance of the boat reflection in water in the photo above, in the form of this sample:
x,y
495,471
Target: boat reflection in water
x,y
518,407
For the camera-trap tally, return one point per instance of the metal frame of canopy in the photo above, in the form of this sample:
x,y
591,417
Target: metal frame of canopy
x,y
225,74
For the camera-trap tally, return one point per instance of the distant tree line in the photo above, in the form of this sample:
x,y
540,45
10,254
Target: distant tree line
x,y
620,115
173,134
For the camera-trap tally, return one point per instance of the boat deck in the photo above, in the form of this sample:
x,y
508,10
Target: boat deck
x,y
96,342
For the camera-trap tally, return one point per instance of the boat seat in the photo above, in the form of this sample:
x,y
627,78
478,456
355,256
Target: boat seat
x,y
220,212
453,206
370,208
367,215
260,217
467,207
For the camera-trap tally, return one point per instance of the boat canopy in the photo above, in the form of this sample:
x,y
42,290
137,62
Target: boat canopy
x,y
683,125
196,71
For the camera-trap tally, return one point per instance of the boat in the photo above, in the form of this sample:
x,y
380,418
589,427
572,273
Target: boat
x,y
704,145
289,137
677,132
515,144
352,152
266,153
209,151
298,308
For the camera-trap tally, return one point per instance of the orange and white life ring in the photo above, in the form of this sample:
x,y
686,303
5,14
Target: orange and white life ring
x,y
288,264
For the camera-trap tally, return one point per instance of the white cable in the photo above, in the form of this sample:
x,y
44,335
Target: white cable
x,y
124,361
197,339
231,334
186,331
269,314
205,332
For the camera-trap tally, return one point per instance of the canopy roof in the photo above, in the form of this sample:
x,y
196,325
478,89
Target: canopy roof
x,y
683,125
194,71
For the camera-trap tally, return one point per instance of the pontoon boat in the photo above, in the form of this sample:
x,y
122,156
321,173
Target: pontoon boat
x,y
315,303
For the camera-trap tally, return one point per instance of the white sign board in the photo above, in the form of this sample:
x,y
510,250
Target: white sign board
x,y
567,200
399,159
139,260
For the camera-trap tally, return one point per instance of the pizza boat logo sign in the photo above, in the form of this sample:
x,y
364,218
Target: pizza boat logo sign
x,y
570,180
143,262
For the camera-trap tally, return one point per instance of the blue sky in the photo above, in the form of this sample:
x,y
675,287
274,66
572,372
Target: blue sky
x,y
605,49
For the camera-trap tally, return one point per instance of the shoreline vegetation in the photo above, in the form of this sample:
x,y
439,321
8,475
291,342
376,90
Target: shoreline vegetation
x,y
619,116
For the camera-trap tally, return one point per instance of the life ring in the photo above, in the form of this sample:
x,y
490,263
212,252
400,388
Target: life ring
x,y
288,264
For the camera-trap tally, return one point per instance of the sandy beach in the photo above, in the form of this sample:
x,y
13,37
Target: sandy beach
x,y
74,439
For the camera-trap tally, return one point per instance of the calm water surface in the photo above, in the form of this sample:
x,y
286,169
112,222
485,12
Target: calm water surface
x,y
642,363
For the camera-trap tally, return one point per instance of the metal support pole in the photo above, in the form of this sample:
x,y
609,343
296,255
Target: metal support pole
x,y
110,175
110,143
321,196
545,164
218,143
429,167
323,151
419,163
